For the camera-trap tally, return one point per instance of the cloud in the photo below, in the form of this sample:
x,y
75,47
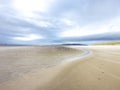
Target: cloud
x,y
30,37
86,11
95,28
55,19
28,7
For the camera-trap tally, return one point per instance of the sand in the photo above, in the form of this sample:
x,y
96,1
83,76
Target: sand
x,y
97,71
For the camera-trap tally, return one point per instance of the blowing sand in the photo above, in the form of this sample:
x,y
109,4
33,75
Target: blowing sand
x,y
98,71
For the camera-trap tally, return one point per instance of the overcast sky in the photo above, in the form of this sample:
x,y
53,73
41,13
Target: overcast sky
x,y
42,21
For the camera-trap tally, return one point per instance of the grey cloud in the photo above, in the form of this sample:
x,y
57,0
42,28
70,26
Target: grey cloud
x,y
12,26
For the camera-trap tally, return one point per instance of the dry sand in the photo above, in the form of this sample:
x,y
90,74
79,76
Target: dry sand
x,y
98,71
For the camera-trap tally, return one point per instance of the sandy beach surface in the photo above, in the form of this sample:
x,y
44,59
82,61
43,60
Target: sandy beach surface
x,y
45,68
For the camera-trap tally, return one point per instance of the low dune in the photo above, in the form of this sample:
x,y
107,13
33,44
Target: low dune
x,y
100,70
109,43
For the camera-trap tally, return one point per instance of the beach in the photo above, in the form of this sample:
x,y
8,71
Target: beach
x,y
45,68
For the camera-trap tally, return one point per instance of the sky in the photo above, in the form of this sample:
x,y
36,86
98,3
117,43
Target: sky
x,y
45,21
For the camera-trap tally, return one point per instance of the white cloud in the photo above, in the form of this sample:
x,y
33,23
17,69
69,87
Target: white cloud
x,y
30,37
76,32
112,25
42,23
28,7
67,22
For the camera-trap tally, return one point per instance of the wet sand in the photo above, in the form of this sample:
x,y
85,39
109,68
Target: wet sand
x,y
16,61
98,71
